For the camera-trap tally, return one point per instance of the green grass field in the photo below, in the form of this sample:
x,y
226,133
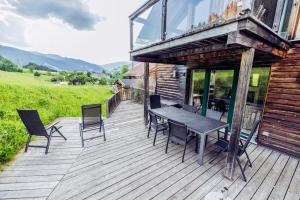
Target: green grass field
x,y
24,91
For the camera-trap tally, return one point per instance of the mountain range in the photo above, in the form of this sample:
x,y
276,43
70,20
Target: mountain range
x,y
56,62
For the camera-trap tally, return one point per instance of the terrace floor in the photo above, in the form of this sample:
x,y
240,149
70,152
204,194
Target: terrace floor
x,y
127,166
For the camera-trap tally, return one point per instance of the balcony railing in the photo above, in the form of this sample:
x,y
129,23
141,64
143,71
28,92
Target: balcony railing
x,y
160,20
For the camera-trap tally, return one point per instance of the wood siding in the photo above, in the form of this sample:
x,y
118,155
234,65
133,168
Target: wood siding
x,y
169,87
281,118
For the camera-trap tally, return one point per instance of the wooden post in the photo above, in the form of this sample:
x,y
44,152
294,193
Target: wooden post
x,y
146,92
240,104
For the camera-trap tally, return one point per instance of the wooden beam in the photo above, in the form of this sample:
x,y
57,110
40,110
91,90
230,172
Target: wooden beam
x,y
261,31
240,104
238,38
190,38
146,91
204,49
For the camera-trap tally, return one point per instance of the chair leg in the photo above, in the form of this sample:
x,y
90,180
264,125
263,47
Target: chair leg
x,y
155,137
82,141
250,164
168,142
27,143
49,139
149,129
241,168
185,144
56,129
104,136
48,144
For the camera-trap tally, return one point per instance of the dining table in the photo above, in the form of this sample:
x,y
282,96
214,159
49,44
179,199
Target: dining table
x,y
202,126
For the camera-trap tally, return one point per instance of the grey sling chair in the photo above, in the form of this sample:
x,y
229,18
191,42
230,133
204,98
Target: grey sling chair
x,y
91,120
34,126
179,134
154,124
242,149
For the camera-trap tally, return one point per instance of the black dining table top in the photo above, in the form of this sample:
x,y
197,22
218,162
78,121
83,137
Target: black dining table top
x,y
194,122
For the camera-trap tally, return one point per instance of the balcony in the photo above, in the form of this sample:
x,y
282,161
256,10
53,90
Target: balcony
x,y
167,30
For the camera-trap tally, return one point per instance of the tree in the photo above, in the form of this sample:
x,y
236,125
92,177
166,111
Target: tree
x,y
7,65
37,74
124,69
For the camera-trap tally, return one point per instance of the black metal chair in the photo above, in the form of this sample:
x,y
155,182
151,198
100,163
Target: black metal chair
x,y
242,149
154,124
189,108
34,126
179,134
91,120
215,115
155,101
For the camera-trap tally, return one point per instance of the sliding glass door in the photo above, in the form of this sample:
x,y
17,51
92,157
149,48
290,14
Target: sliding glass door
x,y
219,88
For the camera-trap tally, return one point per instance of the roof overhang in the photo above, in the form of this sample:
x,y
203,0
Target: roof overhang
x,y
223,42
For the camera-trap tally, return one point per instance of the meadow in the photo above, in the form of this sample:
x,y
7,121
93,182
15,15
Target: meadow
x,y
24,91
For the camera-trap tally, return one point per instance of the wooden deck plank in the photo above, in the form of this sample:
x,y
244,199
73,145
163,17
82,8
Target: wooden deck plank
x,y
143,177
128,166
293,192
268,184
109,172
282,185
255,182
193,184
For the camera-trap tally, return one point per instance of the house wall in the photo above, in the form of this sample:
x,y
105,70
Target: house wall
x,y
169,87
281,119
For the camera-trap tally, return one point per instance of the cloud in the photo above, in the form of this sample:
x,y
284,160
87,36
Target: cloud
x,y
73,12
13,31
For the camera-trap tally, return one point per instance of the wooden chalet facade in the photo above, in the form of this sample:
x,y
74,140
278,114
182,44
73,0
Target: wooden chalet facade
x,y
252,43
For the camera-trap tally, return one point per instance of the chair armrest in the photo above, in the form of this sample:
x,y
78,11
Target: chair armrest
x,y
52,125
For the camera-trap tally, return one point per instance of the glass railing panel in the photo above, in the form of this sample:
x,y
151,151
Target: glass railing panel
x,y
146,28
265,11
186,15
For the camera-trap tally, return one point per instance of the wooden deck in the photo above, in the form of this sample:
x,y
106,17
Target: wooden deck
x,y
127,166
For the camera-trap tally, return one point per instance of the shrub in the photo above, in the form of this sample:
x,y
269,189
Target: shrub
x,y
37,74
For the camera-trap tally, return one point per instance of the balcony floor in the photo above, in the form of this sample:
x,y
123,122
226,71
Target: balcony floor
x,y
127,166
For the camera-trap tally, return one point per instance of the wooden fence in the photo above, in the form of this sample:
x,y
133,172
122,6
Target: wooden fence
x,y
133,94
112,103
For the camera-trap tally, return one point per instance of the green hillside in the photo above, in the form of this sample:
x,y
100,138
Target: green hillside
x,y
24,91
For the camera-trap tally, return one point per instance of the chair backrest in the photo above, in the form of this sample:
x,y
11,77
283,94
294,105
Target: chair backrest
x,y
153,118
178,130
155,101
253,131
32,122
91,115
189,108
214,114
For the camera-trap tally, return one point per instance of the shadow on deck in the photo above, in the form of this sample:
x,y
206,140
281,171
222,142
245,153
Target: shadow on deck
x,y
127,166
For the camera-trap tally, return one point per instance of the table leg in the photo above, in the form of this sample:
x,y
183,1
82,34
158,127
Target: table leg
x,y
226,133
201,147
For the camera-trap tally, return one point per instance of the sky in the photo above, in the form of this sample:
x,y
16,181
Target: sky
x,y
96,31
